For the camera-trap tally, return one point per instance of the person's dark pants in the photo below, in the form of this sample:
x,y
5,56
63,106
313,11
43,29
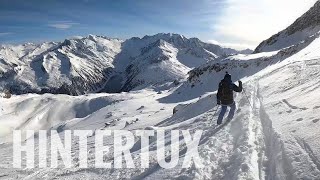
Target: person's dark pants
x,y
223,112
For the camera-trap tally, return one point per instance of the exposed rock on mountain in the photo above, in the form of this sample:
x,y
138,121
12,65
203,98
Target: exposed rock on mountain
x,y
97,63
305,26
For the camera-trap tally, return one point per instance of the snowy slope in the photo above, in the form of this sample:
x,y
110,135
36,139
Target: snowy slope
x,y
274,134
305,26
75,66
94,63
157,63
285,110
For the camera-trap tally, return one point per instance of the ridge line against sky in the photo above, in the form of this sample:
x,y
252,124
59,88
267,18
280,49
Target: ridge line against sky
x,y
233,23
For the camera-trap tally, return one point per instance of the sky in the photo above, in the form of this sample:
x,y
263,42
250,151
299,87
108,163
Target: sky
x,y
233,23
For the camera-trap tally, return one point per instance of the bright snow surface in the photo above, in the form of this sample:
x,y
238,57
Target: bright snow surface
x,y
274,134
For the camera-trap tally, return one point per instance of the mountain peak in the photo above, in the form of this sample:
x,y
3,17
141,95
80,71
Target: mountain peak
x,y
87,64
165,36
305,26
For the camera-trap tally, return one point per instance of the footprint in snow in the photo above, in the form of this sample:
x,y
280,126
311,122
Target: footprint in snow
x,y
3,175
244,168
140,108
108,115
315,120
300,119
289,111
292,106
316,107
289,105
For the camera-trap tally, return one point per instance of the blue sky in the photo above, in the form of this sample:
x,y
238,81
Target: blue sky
x,y
220,21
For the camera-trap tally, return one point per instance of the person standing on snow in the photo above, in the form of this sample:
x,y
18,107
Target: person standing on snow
x,y
225,97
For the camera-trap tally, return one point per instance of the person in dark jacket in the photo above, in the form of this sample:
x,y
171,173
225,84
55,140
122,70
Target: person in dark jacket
x,y
225,97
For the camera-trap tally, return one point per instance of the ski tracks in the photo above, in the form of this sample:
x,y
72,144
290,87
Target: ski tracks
x,y
235,150
252,165
285,156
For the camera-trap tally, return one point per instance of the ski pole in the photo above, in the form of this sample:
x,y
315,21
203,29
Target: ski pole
x,y
247,98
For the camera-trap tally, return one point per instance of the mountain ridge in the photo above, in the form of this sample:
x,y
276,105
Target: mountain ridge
x,y
305,26
82,65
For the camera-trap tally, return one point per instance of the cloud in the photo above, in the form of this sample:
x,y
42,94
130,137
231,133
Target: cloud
x,y
5,33
251,21
236,46
63,25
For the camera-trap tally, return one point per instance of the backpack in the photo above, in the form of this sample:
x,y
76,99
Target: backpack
x,y
226,91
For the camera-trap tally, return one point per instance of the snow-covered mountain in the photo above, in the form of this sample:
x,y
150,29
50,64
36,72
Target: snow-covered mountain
x,y
74,66
305,26
96,63
273,135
